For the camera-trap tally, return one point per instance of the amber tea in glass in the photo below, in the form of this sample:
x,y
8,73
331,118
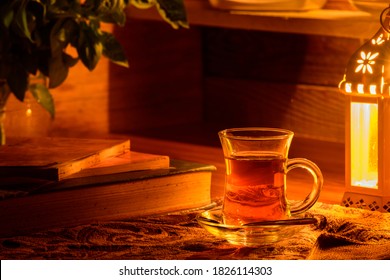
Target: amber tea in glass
x,y
256,167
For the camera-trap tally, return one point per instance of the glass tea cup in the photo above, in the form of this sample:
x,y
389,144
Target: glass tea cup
x,y
257,163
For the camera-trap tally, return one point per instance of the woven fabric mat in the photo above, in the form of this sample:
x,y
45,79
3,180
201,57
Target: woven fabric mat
x,y
341,233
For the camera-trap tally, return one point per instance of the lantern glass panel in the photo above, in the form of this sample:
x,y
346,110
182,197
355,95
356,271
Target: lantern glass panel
x,y
364,145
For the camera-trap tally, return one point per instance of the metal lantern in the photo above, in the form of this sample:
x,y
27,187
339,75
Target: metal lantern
x,y
366,85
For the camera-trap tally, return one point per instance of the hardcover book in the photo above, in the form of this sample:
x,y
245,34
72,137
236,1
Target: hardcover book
x,y
55,158
108,196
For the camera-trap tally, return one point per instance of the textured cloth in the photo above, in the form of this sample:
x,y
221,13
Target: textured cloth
x,y
341,233
350,233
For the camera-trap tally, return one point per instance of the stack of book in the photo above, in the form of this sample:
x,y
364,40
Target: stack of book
x,y
58,182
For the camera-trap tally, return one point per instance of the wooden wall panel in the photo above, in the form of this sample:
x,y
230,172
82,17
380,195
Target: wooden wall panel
x,y
275,79
163,84
276,57
339,5
310,111
209,75
82,102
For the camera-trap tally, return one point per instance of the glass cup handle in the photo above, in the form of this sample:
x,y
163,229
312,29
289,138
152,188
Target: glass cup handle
x,y
312,168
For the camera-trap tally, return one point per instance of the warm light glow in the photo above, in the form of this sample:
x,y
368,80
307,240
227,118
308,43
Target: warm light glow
x,y
378,41
348,87
382,79
364,145
360,88
373,89
28,112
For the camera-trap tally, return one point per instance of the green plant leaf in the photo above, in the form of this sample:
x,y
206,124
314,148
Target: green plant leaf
x,y
113,49
4,94
35,14
143,4
69,60
58,71
42,95
173,11
18,80
43,57
89,46
59,63
111,11
21,19
7,17
58,37
30,62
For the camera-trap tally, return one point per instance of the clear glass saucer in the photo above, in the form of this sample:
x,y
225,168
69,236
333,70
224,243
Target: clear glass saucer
x,y
253,234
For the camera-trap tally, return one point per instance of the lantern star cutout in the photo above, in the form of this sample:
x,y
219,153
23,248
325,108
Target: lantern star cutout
x,y
365,62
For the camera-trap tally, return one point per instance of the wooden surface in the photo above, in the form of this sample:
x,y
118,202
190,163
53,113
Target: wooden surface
x,y
338,18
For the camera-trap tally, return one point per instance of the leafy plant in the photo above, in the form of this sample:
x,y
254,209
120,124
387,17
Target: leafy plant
x,y
36,36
